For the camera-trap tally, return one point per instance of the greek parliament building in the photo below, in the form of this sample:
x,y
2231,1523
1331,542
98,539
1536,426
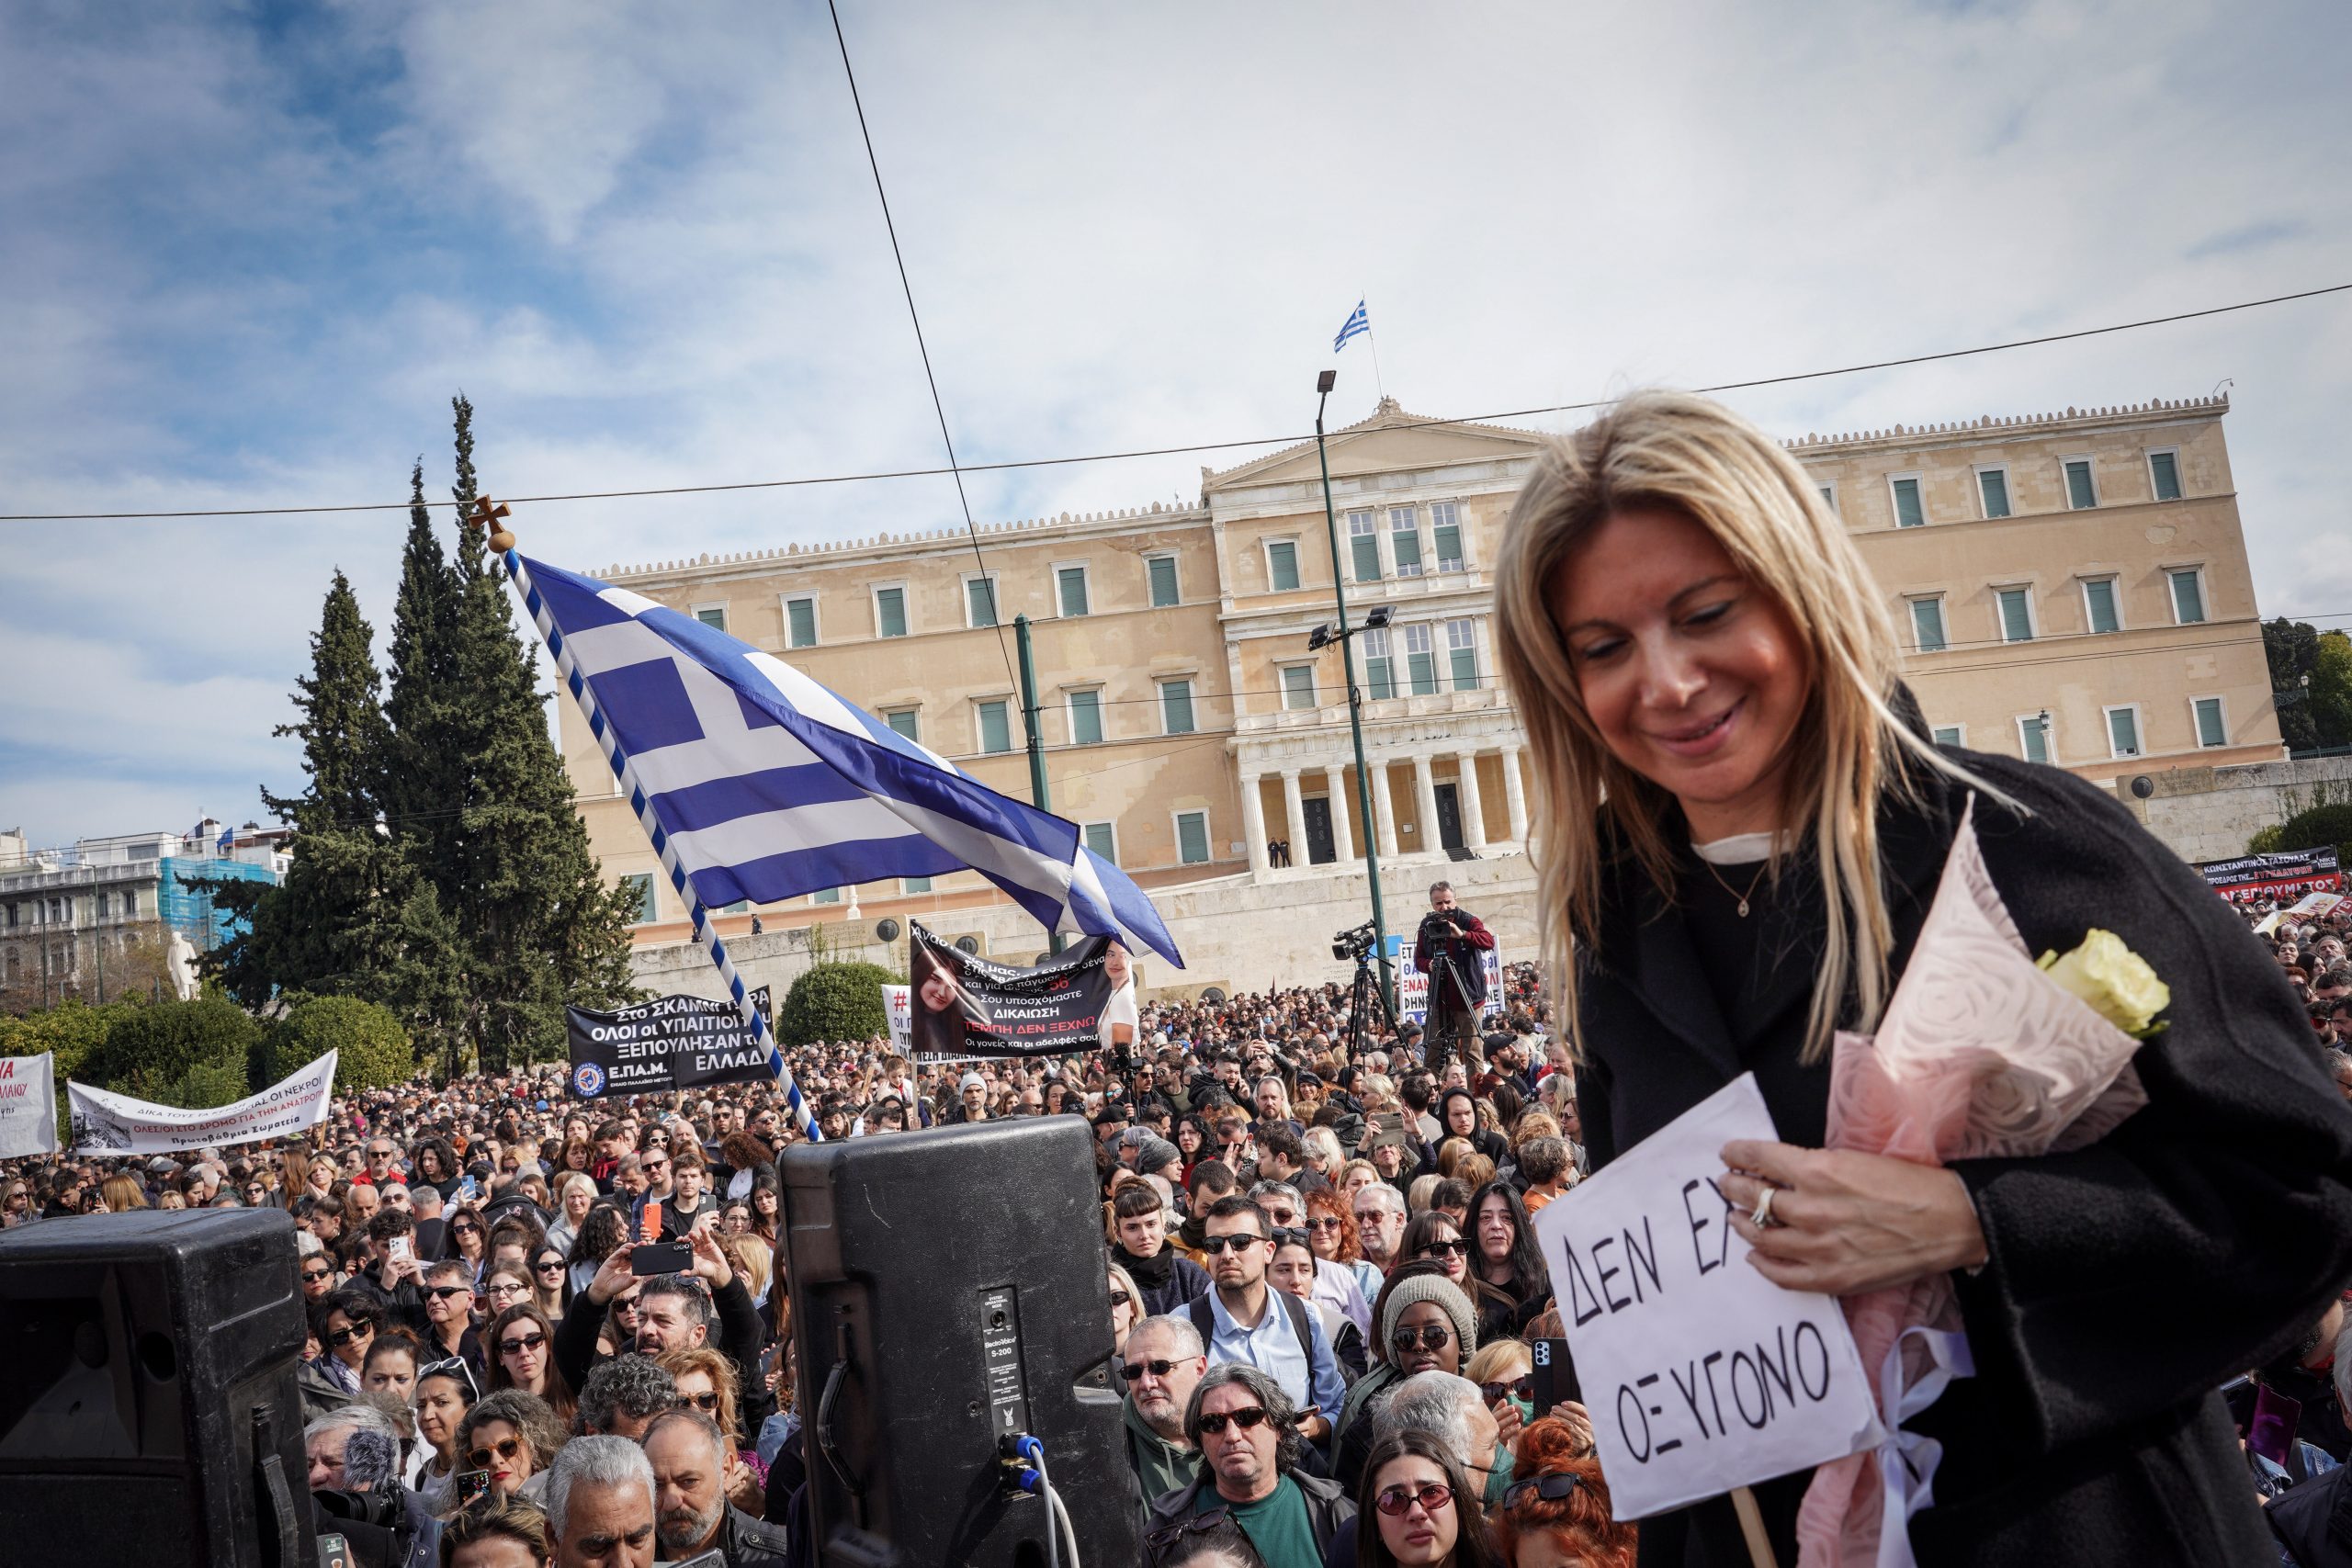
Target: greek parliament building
x,y
2071,588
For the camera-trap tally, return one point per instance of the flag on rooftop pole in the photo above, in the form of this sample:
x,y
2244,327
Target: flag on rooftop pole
x,y
755,783
1357,323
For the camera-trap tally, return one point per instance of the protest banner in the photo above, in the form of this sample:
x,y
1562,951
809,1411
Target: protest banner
x,y
1413,985
107,1124
2284,876
28,1106
669,1043
966,1006
897,1007
1701,1374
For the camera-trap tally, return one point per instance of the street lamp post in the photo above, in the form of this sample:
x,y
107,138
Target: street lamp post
x,y
1346,639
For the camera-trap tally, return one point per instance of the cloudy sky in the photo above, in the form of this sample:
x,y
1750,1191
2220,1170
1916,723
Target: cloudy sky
x,y
247,253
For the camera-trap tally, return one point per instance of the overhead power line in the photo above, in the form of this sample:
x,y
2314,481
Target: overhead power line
x,y
958,469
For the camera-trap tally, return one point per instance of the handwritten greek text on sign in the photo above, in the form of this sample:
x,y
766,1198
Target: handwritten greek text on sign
x,y
1700,1373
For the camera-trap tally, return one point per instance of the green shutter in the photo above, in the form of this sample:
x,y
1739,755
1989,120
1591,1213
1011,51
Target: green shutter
x,y
2165,467
905,723
1365,551
1421,670
826,895
2016,616
648,907
980,595
1405,544
914,884
716,619
1281,563
1176,706
1927,622
1163,581
1380,675
2187,598
801,616
2100,595
1992,484
1073,587
1103,841
996,728
2036,735
2124,732
1086,718
1907,512
1946,735
2209,723
2080,492
1193,838
890,611
1465,668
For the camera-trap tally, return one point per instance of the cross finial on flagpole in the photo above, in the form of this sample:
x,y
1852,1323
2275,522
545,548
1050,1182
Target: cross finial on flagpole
x,y
486,514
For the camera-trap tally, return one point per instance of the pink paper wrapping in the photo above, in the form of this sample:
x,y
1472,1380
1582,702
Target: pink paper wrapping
x,y
1979,1054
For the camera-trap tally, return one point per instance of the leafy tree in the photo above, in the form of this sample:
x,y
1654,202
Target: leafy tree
x,y
2311,678
150,1051
203,1088
834,1001
375,1052
2331,688
2312,829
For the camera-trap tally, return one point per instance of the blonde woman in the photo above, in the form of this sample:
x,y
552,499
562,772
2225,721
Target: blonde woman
x,y
122,1194
1739,820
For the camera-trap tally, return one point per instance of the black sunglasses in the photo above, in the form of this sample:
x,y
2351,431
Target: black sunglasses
x,y
1245,1418
1551,1488
506,1447
527,1342
446,1292
1433,1336
1121,1298
1217,1243
1133,1371
1459,1246
550,1266
706,1403
312,1276
1519,1387
345,1335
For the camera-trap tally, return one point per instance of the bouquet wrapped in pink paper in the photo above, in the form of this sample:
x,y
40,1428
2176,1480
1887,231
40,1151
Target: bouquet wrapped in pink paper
x,y
1982,1051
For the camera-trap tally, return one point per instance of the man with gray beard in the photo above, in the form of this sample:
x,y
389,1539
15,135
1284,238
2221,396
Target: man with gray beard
x,y
691,1512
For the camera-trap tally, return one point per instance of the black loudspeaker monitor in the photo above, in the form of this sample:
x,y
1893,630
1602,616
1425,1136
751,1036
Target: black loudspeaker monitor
x,y
148,1408
948,1292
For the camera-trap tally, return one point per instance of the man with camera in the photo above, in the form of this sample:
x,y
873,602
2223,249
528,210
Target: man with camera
x,y
1451,950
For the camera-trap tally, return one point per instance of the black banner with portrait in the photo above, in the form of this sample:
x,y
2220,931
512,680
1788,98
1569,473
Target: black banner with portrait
x,y
667,1043
966,1006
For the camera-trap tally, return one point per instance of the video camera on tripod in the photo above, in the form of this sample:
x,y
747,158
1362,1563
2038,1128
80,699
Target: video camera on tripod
x,y
1354,946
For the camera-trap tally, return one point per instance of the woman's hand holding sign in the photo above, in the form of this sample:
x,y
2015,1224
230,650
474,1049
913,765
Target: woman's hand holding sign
x,y
1841,1223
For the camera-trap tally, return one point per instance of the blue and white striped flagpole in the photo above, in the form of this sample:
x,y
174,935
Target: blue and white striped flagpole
x,y
704,931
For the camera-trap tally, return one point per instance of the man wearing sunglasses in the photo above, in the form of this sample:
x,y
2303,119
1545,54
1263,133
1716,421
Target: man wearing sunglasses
x,y
1244,1320
1247,1430
1161,1365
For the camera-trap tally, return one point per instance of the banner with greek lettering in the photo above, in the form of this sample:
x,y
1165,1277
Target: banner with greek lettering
x,y
967,1006
898,1006
1701,1374
107,1124
2285,876
669,1043
28,1106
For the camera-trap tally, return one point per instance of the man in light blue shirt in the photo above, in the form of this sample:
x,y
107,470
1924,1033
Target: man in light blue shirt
x,y
1243,1319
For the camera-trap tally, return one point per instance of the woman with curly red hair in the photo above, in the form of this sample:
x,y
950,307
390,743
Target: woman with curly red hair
x,y
1556,1515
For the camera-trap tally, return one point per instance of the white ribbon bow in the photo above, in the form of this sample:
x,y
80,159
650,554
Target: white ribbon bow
x,y
1906,1462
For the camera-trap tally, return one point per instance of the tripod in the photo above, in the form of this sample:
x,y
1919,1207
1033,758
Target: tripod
x,y
1450,1013
1363,995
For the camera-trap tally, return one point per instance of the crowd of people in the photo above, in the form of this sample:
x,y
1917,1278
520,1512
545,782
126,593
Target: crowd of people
x,y
1326,1299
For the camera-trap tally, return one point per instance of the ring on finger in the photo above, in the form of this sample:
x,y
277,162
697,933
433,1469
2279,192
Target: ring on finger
x,y
1761,1216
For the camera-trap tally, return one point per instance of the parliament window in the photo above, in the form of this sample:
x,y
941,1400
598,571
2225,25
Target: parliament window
x,y
1445,535
2082,491
1462,654
2210,730
2188,596
1420,661
2099,608
979,601
1193,838
1071,582
648,907
2164,474
890,612
1176,708
2034,738
2017,614
996,727
1404,540
800,621
1103,839
1298,686
1364,546
712,616
1162,572
1281,565
1993,489
1086,718
1927,625
2123,730
1908,511
1379,666
905,722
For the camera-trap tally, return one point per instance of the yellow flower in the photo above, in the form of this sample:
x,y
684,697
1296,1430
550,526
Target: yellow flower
x,y
2113,980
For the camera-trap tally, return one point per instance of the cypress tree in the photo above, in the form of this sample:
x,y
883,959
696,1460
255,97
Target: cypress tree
x,y
425,773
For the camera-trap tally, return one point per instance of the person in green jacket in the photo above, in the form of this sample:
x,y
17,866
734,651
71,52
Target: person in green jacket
x,y
1163,1360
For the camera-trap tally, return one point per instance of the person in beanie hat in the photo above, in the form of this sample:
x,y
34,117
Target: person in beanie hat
x,y
1426,1323
1158,1157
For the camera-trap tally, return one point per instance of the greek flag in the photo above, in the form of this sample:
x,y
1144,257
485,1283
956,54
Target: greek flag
x,y
756,782
1358,323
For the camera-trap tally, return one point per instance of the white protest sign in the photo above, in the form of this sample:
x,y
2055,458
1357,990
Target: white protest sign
x,y
896,1005
28,1106
1700,1373
109,1124
1413,983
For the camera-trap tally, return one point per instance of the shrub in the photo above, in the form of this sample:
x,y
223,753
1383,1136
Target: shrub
x,y
375,1052
2313,829
836,1001
152,1049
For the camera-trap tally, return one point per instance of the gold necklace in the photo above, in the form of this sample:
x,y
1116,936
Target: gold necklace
x,y
1735,893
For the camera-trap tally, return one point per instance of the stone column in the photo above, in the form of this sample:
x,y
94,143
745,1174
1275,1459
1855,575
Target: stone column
x,y
1514,794
1295,815
1426,837
1474,810
1384,813
1254,824
1342,841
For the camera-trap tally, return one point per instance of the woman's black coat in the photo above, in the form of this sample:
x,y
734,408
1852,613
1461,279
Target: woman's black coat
x,y
2127,1281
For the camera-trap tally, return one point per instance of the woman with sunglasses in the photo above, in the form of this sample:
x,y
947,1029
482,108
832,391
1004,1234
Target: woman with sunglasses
x,y
1557,1511
706,1381
522,1355
1126,1305
1427,1324
345,1323
445,1392
1505,1373
1422,1512
1331,1231
515,1436
550,1281
1432,1233
466,1237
